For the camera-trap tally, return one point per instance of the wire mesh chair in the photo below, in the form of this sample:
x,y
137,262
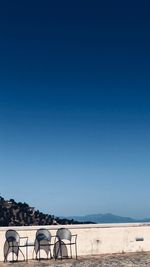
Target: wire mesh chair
x,y
42,242
65,238
13,245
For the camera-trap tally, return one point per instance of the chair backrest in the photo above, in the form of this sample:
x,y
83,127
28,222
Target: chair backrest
x,y
12,236
63,233
43,234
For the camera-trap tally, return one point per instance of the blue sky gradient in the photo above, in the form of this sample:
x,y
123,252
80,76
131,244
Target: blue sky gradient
x,y
74,106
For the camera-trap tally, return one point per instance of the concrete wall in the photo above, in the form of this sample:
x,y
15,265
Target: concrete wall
x,y
94,239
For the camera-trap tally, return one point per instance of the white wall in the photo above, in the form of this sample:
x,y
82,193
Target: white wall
x,y
94,239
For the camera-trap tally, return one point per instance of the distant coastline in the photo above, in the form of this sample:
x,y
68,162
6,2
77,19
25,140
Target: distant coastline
x,y
105,218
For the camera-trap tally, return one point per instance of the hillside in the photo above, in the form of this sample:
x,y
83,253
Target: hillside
x,y
21,214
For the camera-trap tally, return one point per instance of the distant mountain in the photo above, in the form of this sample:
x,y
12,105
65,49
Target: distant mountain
x,y
106,218
14,213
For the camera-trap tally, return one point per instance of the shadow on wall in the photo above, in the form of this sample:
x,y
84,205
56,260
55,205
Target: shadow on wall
x,y
56,251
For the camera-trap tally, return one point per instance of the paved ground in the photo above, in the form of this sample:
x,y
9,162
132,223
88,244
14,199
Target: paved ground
x,y
119,260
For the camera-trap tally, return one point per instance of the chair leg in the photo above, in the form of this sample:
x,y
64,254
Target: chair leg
x,y
22,253
39,255
76,249
50,254
70,252
60,244
6,255
33,253
26,253
39,251
55,252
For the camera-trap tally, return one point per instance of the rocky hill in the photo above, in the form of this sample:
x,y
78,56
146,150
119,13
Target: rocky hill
x,y
21,214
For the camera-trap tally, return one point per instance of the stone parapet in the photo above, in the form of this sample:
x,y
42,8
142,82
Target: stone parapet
x,y
94,239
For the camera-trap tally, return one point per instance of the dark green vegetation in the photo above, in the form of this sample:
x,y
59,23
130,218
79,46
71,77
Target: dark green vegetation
x,y
21,214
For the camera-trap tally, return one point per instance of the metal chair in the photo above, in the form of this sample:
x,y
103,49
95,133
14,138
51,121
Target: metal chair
x,y
42,242
65,238
13,245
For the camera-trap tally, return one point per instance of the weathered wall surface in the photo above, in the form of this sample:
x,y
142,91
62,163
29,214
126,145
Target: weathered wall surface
x,y
94,239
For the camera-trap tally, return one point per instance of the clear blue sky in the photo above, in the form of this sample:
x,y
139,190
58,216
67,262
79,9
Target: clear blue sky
x,y
75,106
